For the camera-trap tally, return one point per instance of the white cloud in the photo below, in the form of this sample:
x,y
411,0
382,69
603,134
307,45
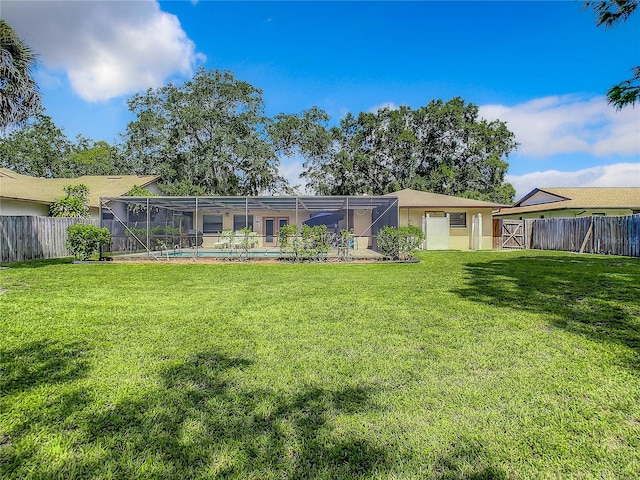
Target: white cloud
x,y
617,175
291,170
107,49
387,105
570,124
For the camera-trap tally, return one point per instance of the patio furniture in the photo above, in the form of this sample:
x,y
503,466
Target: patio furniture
x,y
225,241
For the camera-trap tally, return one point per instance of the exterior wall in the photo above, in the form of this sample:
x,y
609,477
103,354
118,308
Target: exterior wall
x,y
94,213
459,237
570,213
360,223
361,228
18,207
153,188
258,222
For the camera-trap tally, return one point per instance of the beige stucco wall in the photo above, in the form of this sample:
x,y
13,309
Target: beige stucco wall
x,y
359,222
571,213
17,207
258,222
459,237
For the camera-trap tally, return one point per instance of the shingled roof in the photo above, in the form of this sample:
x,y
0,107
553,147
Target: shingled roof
x,y
46,190
414,198
578,197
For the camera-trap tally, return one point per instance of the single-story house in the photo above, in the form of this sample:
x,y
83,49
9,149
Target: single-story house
x,y
574,202
26,195
461,223
416,206
449,222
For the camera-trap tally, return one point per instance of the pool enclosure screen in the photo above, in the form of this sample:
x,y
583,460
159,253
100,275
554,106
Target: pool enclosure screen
x,y
195,225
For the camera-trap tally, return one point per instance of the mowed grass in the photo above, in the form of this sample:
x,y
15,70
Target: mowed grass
x,y
466,365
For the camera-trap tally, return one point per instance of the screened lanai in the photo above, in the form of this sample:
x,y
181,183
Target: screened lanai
x,y
203,226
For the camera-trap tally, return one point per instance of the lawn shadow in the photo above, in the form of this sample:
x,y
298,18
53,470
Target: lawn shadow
x,y
595,296
38,389
202,424
465,459
38,263
41,362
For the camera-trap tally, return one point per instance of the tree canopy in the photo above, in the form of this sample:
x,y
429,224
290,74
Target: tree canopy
x,y
19,93
205,137
610,13
73,204
209,136
41,149
442,147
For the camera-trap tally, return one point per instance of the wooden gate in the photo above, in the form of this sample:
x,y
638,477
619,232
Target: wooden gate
x,y
512,234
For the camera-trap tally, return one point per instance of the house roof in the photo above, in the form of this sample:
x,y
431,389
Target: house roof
x,y
415,198
577,197
46,190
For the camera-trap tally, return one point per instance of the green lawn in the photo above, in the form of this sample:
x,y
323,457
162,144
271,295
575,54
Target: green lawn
x,y
465,365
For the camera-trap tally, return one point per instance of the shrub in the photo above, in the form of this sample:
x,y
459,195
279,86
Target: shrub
x,y
411,237
312,243
399,243
85,240
244,239
287,238
73,204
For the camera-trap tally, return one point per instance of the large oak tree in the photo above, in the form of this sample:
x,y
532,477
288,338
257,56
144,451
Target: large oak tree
x,y
205,137
443,147
41,149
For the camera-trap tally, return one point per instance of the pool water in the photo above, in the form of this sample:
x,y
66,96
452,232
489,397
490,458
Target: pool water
x,y
222,254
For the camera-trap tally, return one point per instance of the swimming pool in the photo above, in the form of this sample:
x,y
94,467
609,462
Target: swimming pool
x,y
223,254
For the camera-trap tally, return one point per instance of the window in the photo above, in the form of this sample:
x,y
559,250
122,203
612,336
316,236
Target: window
x,y
212,223
239,222
458,219
433,213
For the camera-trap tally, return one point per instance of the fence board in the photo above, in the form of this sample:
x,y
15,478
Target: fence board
x,y
30,238
609,235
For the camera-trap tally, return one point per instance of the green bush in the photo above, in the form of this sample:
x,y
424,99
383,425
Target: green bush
x,y
399,243
85,240
287,238
74,204
315,243
311,244
245,239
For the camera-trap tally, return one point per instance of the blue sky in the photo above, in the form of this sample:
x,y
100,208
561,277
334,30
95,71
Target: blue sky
x,y
543,67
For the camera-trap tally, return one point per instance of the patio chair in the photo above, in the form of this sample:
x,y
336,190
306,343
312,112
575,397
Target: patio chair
x,y
225,241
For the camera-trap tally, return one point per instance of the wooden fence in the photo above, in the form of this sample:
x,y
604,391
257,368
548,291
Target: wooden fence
x,y
603,235
30,237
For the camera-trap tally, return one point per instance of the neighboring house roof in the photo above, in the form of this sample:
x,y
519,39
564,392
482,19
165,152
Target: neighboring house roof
x,y
46,190
545,199
414,198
